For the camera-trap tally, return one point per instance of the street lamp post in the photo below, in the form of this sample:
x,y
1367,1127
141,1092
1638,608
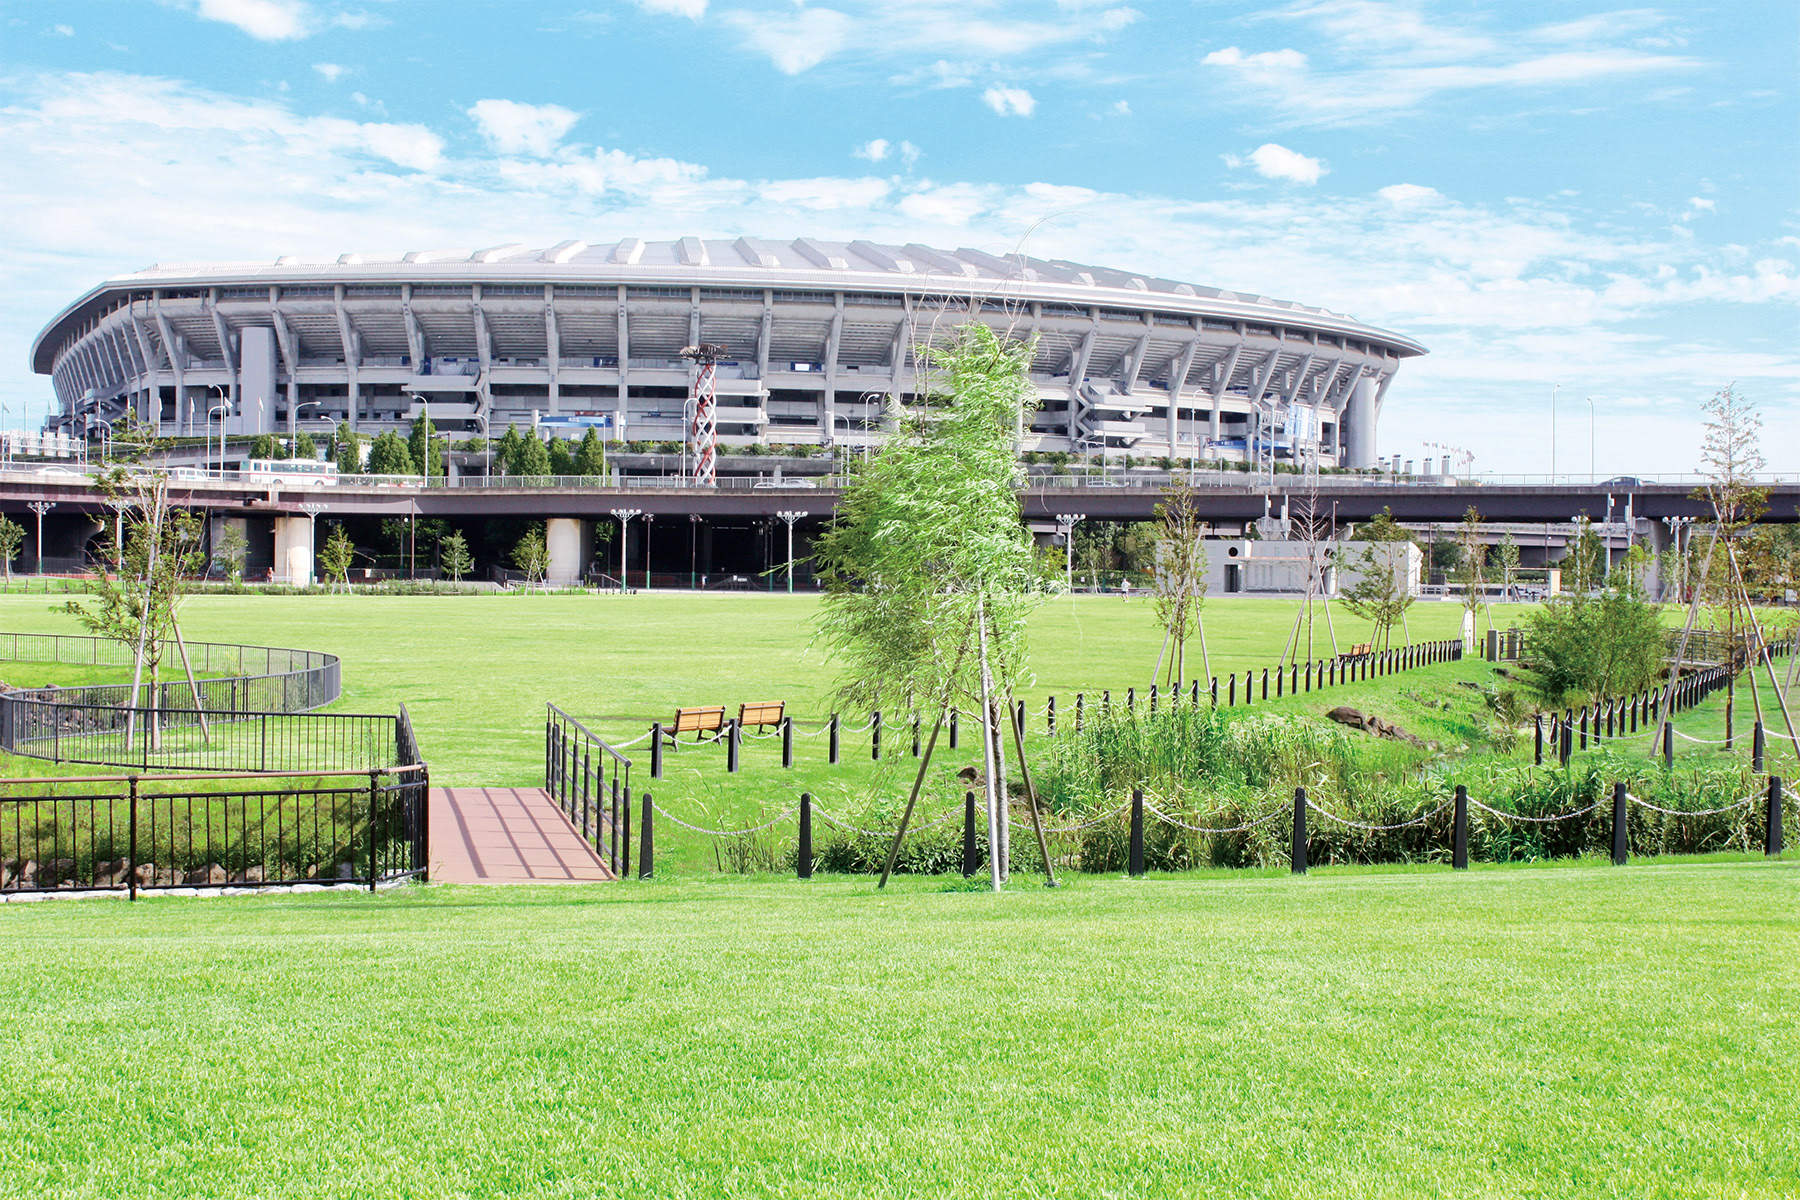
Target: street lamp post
x,y
40,507
312,512
1592,474
1067,521
790,517
118,505
215,411
624,515
648,518
294,423
693,551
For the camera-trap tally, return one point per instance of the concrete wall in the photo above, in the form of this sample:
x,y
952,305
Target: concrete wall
x,y
1236,566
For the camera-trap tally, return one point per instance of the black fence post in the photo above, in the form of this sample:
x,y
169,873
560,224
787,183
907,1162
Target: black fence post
x,y
1772,844
647,851
1297,854
875,735
656,739
1668,745
1279,673
374,799
1131,700
131,872
1309,673
1459,853
803,860
787,741
1537,754
1213,691
1265,694
834,739
970,858
1153,699
1136,867
1080,702
1756,748
953,729
1196,698
731,746
1230,691
1567,749
1620,850
915,735
613,825
1049,719
625,838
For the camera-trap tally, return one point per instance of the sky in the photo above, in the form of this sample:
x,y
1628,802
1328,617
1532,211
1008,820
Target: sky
x,y
1565,201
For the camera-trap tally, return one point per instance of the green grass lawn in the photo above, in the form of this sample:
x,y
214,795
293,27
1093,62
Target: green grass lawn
x,y
475,671
1570,1031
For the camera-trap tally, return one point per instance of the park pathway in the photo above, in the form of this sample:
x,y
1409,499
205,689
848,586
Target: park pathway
x,y
507,835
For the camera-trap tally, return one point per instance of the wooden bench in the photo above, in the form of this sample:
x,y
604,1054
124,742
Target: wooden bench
x,y
767,712
698,721
1358,651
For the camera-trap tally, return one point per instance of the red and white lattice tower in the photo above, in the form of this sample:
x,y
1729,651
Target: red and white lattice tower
x,y
705,433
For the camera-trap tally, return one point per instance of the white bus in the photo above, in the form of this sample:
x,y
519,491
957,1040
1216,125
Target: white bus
x,y
289,472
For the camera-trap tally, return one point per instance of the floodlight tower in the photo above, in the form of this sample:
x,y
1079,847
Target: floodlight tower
x,y
705,431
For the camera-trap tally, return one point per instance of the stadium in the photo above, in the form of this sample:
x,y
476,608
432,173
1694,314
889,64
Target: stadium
x,y
817,337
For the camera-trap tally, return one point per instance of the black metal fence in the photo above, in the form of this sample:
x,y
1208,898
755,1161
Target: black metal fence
x,y
254,714
213,831
591,782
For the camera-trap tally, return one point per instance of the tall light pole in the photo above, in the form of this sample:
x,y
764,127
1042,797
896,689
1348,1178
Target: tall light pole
x,y
1554,388
790,517
211,413
40,507
693,550
1067,521
648,518
294,423
624,515
118,505
312,512
1592,474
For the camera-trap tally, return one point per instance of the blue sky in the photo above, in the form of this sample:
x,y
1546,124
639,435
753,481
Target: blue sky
x,y
1580,197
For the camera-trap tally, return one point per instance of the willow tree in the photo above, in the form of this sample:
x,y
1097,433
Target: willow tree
x,y
928,571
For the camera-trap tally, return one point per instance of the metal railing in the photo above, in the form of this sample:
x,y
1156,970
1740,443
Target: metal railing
x,y
590,780
87,833
257,718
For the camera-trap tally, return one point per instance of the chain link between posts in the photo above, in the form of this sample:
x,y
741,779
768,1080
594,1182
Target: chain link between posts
x,y
1693,812
1420,820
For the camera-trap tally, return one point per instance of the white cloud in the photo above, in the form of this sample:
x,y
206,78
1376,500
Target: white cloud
x,y
874,151
1698,205
1278,162
331,71
1508,295
1122,108
514,128
1231,56
1407,193
65,30
795,42
265,20
1009,101
693,10
909,154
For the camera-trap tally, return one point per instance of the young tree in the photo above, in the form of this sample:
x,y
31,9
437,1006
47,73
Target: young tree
x,y
1382,528
304,446
1583,561
388,455
531,555
590,458
12,536
347,449
1471,566
264,445
507,450
335,557
454,550
1179,582
1584,647
1383,589
1506,558
229,550
927,568
423,446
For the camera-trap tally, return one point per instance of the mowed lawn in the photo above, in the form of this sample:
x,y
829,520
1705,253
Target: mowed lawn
x,y
475,671
1566,1031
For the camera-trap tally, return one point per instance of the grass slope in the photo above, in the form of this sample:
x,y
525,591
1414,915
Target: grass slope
x,y
1582,1031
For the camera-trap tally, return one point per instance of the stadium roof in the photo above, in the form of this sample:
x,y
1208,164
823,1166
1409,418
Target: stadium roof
x,y
747,263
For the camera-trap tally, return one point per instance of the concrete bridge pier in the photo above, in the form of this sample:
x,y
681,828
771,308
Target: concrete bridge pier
x,y
294,551
570,543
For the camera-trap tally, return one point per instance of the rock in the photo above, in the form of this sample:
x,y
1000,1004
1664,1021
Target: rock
x,y
211,873
166,877
146,874
253,875
1469,683
110,874
346,871
17,874
1343,714
56,871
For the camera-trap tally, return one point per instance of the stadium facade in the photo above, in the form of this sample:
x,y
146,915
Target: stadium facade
x,y
818,336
